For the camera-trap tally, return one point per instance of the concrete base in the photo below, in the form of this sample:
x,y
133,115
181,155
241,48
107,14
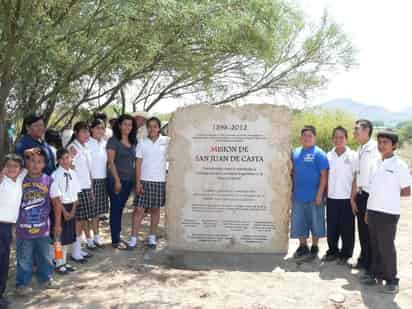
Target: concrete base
x,y
251,262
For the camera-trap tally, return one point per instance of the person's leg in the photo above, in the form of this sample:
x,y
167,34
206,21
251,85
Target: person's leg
x,y
138,215
374,225
115,213
24,257
5,241
347,224
365,255
299,229
387,235
317,225
43,259
332,215
154,220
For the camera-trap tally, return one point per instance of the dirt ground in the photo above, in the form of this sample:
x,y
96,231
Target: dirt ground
x,y
146,279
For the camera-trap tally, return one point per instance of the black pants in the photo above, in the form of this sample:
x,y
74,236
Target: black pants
x,y
5,241
365,255
340,224
382,231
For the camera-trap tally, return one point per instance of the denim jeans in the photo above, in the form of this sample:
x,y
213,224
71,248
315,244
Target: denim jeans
x,y
29,250
117,203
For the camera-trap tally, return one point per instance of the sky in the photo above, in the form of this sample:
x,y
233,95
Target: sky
x,y
381,32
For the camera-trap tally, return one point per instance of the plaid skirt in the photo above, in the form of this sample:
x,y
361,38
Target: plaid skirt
x,y
86,208
101,198
154,195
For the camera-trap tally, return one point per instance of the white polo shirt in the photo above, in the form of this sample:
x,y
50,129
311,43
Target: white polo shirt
x,y
390,176
341,173
82,164
367,159
10,196
99,158
65,185
154,158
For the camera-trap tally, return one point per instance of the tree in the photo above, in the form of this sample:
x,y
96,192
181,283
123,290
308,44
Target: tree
x,y
66,57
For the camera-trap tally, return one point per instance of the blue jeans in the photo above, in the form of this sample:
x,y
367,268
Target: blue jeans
x,y
27,250
307,218
117,203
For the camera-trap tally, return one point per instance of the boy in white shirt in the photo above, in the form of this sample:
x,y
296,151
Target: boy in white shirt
x,y
391,180
10,197
340,219
64,194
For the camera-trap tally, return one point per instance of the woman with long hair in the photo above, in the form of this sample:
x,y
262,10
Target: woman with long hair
x,y
121,154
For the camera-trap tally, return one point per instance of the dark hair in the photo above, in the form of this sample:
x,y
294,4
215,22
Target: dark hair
x,y
342,129
155,119
29,120
133,133
100,115
112,122
391,135
15,158
308,128
61,152
52,137
365,124
96,122
38,151
78,126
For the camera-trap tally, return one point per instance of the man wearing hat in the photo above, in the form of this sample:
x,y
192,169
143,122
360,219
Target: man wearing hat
x,y
141,118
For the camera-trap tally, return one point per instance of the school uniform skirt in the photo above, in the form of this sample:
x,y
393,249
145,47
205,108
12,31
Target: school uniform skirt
x,y
68,235
101,198
154,195
86,208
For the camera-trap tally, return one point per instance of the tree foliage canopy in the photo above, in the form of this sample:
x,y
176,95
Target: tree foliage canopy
x,y
64,56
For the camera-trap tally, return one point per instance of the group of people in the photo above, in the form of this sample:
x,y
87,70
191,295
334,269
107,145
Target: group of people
x,y
55,189
367,185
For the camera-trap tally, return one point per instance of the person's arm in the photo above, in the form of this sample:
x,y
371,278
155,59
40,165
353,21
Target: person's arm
x,y
139,187
405,181
57,210
322,186
353,197
111,154
73,211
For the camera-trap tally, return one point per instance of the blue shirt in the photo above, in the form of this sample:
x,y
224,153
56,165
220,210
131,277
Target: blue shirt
x,y
307,167
28,142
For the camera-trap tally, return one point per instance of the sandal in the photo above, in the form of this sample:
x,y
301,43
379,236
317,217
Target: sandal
x,y
122,245
79,261
61,270
70,268
86,255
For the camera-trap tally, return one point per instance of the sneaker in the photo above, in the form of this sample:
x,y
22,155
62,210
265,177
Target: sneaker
x,y
50,285
314,251
390,289
368,280
70,268
151,242
329,257
301,252
23,291
61,270
4,302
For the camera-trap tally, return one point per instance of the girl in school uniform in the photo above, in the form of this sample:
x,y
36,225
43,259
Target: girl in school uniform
x,y
86,210
150,180
64,194
97,145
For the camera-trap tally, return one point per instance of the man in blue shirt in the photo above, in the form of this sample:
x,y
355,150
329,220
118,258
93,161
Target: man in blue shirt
x,y
310,174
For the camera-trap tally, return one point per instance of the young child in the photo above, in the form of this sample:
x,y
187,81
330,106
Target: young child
x,y
64,194
390,181
10,197
32,227
86,209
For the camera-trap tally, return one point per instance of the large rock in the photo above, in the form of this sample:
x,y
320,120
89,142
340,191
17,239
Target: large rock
x,y
229,185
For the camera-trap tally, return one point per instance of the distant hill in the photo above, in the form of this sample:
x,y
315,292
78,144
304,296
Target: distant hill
x,y
371,112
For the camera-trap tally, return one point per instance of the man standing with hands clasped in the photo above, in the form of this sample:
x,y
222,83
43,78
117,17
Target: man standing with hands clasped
x,y
367,159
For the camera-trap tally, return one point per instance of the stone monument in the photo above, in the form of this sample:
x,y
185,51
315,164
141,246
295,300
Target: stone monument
x,y
229,186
